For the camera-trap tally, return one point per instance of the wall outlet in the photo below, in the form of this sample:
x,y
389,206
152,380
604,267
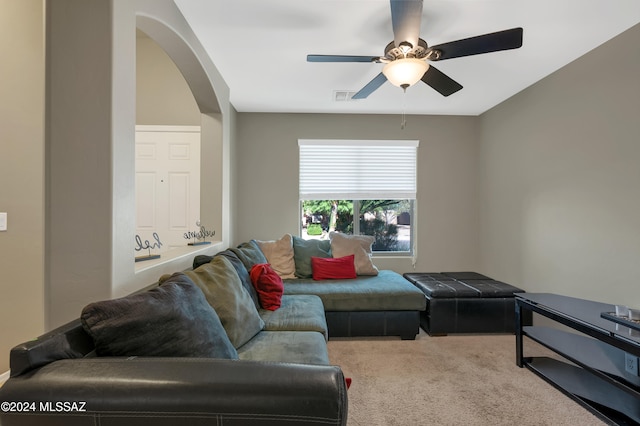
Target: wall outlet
x,y
631,364
3,221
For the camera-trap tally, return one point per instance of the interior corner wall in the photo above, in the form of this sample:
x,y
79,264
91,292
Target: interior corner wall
x,y
267,204
213,164
21,173
230,198
560,179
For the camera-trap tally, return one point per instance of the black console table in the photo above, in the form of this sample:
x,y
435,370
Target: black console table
x,y
598,362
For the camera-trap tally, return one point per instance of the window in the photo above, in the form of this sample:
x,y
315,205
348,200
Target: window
x,y
359,187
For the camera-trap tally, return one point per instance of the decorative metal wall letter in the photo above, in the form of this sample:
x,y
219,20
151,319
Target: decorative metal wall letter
x,y
200,235
148,246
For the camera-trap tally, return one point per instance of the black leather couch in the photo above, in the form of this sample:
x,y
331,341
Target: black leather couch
x,y
56,380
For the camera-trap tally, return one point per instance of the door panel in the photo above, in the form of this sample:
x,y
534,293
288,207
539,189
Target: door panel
x,y
179,206
167,183
145,201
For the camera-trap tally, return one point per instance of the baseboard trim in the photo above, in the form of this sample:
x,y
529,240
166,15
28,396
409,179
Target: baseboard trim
x,y
4,377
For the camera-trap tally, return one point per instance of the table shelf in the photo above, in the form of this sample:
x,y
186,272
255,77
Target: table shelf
x,y
607,401
592,371
598,357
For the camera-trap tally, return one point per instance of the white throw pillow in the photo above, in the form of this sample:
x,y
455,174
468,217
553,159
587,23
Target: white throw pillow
x,y
359,246
279,254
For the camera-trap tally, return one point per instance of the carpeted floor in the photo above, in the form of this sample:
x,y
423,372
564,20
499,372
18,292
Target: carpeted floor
x,y
449,380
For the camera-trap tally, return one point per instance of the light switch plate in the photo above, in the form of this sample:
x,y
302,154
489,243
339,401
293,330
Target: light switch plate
x,y
3,221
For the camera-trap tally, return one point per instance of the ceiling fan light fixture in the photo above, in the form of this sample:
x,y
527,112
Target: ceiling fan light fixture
x,y
405,72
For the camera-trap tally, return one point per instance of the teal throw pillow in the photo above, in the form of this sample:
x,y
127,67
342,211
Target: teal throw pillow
x,y
303,250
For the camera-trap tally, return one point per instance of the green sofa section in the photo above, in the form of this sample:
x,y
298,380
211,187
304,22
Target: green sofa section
x,y
299,312
304,347
387,291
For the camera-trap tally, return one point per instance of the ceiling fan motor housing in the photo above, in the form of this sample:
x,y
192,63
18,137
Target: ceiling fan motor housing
x,y
393,52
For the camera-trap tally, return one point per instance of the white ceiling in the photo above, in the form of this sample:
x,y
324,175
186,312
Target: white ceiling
x,y
260,48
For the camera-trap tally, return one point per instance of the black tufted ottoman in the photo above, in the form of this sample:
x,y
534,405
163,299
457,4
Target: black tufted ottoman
x,y
466,302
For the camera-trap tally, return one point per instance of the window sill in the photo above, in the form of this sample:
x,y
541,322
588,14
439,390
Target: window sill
x,y
404,254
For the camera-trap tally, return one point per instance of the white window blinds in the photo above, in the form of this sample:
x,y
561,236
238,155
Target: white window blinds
x,y
357,169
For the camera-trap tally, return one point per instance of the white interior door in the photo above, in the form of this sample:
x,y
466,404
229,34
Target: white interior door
x,y
167,184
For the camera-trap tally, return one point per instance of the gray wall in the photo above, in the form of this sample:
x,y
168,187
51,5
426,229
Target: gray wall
x,y
560,179
267,179
163,97
79,157
21,173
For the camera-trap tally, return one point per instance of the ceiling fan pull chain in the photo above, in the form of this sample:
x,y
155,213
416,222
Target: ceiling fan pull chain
x,y
404,108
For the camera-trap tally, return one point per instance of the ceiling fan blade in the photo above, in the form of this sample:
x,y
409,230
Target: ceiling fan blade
x,y
493,42
370,87
406,16
439,81
341,58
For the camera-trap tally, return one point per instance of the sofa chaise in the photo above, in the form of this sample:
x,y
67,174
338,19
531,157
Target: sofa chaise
x,y
374,303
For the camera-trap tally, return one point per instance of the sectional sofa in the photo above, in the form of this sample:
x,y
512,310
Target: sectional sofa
x,y
201,348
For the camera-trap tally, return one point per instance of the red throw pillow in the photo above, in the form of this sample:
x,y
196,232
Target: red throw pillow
x,y
268,285
333,268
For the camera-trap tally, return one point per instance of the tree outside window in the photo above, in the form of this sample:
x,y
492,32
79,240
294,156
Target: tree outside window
x,y
389,221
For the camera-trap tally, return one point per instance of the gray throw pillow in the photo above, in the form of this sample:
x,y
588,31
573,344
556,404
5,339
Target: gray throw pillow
x,y
200,260
243,274
173,320
221,285
250,254
303,250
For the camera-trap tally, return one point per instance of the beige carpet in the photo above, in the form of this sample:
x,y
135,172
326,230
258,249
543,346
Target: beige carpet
x,y
449,380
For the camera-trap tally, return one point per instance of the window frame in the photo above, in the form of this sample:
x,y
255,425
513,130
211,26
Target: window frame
x,y
357,176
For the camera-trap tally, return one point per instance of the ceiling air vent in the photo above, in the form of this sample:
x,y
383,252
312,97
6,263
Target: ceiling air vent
x,y
342,95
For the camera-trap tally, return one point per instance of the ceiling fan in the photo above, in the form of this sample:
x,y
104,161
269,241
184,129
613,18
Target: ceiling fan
x,y
407,57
